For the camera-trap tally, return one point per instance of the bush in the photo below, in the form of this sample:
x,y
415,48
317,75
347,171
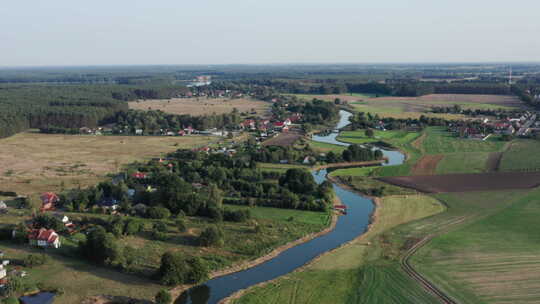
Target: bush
x,y
158,213
163,297
181,224
237,216
33,260
160,226
159,236
211,236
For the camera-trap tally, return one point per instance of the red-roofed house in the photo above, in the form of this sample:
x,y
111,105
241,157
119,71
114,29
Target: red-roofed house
x,y
48,200
279,125
248,124
44,238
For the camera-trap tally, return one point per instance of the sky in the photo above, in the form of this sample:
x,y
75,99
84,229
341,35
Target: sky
x,y
140,32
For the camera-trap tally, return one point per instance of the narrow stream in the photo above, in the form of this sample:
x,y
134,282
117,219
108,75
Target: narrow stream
x,y
348,227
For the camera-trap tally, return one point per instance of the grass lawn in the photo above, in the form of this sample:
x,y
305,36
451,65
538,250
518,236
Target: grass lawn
x,y
351,274
495,258
393,137
522,154
325,147
35,163
288,215
366,185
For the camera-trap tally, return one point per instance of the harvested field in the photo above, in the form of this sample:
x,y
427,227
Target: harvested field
x,y
203,106
504,100
467,182
427,165
283,139
494,161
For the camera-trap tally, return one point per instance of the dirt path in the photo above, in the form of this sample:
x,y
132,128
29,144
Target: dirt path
x,y
427,165
494,161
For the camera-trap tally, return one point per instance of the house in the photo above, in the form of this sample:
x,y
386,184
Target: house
x,y
44,238
48,200
63,218
248,124
3,272
285,129
139,131
279,125
307,160
3,206
287,122
109,203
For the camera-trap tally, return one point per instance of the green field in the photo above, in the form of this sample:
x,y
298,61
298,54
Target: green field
x,y
393,137
325,147
440,141
472,162
358,272
494,259
522,154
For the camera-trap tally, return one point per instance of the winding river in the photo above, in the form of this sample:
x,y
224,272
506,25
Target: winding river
x,y
348,227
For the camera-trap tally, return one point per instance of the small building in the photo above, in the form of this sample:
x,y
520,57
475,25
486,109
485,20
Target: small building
x,y
139,175
3,206
139,131
3,272
44,238
63,218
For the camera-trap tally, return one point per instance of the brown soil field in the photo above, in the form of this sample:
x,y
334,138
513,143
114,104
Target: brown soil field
x,y
494,161
203,106
427,165
33,163
467,182
283,139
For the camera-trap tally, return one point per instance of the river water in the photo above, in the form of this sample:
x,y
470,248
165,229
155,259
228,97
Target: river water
x,y
348,227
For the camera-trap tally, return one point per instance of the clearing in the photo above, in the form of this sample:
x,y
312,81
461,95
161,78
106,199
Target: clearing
x,y
34,163
283,139
204,106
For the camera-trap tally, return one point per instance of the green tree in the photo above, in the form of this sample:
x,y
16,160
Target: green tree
x,y
369,133
211,236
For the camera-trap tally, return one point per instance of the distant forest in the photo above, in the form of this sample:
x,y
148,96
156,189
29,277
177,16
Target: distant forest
x,y
69,106
70,98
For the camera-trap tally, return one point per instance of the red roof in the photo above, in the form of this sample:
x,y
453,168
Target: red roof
x,y
43,235
279,124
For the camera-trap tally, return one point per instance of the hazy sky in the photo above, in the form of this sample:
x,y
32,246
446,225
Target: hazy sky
x,y
99,32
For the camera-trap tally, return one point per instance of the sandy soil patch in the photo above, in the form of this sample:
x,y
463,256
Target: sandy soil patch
x,y
427,164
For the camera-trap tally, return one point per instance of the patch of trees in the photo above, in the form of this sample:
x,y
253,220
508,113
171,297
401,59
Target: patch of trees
x,y
363,120
176,269
456,109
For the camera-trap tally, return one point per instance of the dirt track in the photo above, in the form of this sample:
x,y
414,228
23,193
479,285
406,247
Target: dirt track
x,y
427,165
467,182
494,161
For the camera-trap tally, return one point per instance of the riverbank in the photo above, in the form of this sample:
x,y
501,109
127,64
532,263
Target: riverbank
x,y
178,290
373,220
364,264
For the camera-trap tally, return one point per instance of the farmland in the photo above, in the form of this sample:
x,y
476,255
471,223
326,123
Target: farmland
x,y
402,107
203,106
518,156
358,264
467,182
34,163
493,260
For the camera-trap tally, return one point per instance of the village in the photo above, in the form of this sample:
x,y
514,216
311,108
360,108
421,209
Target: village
x,y
524,125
